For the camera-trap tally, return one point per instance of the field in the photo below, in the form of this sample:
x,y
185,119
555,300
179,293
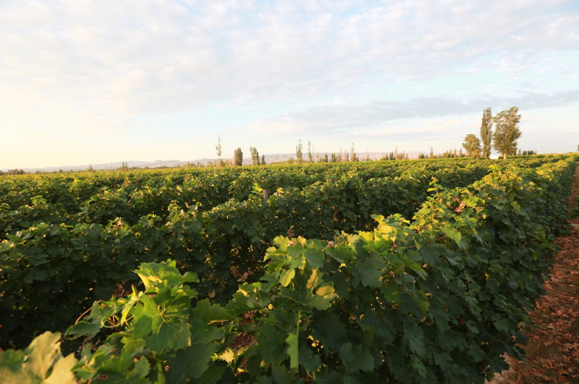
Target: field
x,y
403,271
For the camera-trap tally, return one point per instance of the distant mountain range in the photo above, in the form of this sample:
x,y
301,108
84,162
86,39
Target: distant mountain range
x,y
269,159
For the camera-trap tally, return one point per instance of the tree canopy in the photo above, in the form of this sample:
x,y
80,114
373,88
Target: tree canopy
x,y
507,131
471,145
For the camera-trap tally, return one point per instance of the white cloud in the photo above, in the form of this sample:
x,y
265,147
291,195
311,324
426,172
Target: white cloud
x,y
343,118
99,66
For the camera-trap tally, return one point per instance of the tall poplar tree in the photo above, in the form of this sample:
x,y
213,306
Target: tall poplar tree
x,y
254,156
299,152
486,132
218,148
238,157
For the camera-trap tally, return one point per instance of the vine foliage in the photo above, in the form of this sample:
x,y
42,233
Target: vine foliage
x,y
437,299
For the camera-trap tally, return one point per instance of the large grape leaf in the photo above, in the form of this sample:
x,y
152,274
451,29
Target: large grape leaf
x,y
356,358
271,343
368,270
208,312
190,363
307,291
33,365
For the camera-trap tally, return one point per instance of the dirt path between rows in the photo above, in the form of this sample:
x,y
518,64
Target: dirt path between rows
x,y
552,352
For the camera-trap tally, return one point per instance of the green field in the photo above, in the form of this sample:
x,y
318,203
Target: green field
x,y
405,271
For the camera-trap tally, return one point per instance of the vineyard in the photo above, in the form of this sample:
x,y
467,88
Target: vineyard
x,y
398,272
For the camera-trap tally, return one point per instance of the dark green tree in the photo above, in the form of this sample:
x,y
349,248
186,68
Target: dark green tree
x,y
507,131
238,157
486,132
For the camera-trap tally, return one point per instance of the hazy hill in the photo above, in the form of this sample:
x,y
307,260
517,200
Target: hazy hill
x,y
269,159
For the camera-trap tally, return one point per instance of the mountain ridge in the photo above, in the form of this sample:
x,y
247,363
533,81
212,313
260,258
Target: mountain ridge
x,y
269,159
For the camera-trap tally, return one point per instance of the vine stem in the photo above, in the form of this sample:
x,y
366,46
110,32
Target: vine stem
x,y
84,313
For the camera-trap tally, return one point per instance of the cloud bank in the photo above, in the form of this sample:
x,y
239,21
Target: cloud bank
x,y
319,66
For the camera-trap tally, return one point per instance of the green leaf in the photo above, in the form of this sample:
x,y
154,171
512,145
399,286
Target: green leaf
x,y
165,273
210,312
212,375
141,369
444,360
189,363
418,365
84,328
203,334
292,351
453,234
271,343
169,335
99,315
368,271
281,242
315,257
413,336
357,358
42,352
42,355
281,375
310,361
249,297
340,253
264,380
142,326
62,371
328,329
391,292
302,291
286,277
11,368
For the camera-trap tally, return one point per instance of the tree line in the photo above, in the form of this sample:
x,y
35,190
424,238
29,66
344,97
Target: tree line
x,y
503,139
310,157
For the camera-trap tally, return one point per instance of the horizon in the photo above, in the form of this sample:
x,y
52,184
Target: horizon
x,y
85,82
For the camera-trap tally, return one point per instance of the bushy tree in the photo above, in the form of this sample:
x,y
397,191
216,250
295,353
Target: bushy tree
x,y
507,131
238,157
471,145
486,132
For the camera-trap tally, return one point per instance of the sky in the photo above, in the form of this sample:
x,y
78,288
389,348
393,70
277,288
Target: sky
x,y
90,82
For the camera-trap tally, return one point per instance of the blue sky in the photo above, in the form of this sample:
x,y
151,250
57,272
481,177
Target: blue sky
x,y
88,82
